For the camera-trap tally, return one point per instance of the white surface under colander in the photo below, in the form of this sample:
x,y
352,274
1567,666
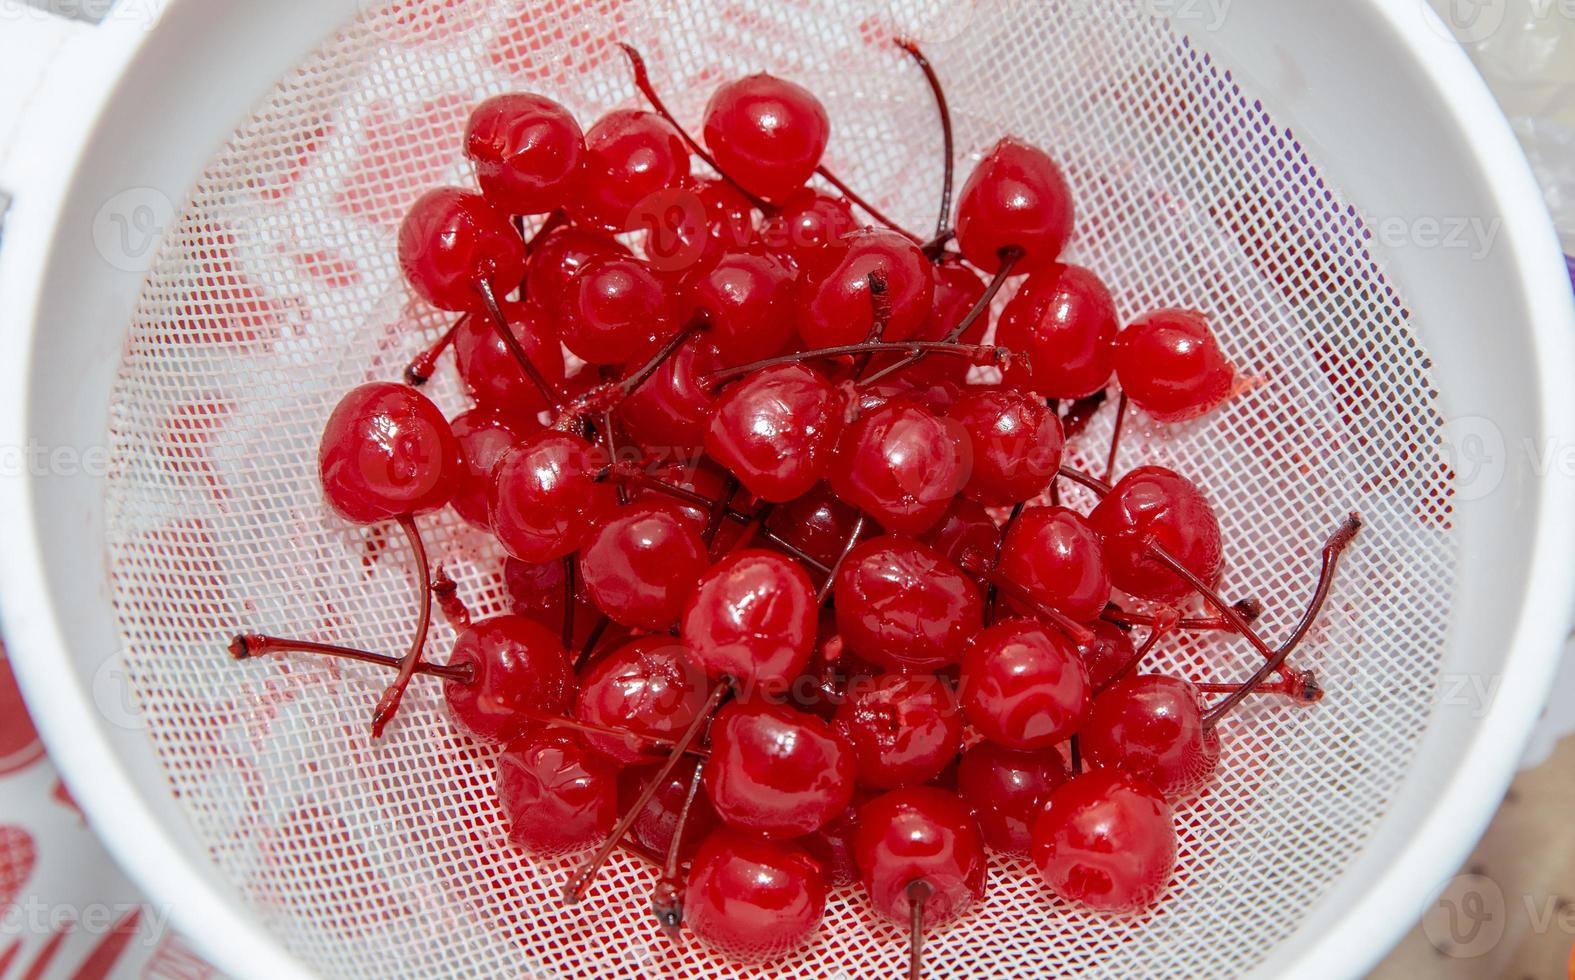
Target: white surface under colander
x,y
1221,159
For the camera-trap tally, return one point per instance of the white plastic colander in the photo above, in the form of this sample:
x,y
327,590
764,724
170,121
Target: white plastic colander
x,y
199,260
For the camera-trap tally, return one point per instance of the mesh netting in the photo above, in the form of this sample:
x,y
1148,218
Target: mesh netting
x,y
278,291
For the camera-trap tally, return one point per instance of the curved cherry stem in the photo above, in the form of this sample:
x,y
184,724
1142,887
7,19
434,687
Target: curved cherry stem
x,y
1115,437
1080,412
1075,631
1156,633
824,592
947,136
1088,480
604,399
1247,609
667,897
1332,550
250,646
421,367
500,324
919,892
388,705
580,880
1210,595
982,352
1303,688
880,318
866,206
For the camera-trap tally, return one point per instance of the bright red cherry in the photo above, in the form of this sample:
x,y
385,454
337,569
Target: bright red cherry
x,y
920,834
673,408
1108,652
452,242
647,686
1171,366
753,899
387,452
834,294
902,605
752,618
557,795
488,367
536,592
557,258
776,429
748,299
806,221
1007,788
967,535
1054,554
690,226
614,307
1063,323
520,673
653,829
1155,506
642,564
1016,442
485,437
902,464
1023,685
1016,198
777,771
526,149
1151,726
1106,840
629,155
767,133
904,729
817,523
546,499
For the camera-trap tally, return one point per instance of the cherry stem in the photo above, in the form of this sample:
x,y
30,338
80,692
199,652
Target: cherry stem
x,y
977,351
728,513
1088,480
935,248
836,566
869,208
580,880
1081,412
1248,609
388,705
719,509
1115,437
1237,623
667,897
446,591
419,371
919,892
557,219
250,646
500,324
606,398
631,384
594,637
992,593
1157,632
947,137
571,568
1296,691
1332,550
1075,631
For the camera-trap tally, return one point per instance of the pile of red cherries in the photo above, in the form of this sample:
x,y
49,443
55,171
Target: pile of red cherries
x,y
796,601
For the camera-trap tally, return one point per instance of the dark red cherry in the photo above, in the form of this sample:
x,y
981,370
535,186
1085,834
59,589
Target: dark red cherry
x,y
904,606
526,149
629,155
835,306
1063,323
643,563
521,672
832,673
653,829
557,258
557,796
485,437
1106,654
546,500
1171,366
646,686
748,300
777,771
1007,789
752,618
776,429
967,535
1151,726
387,452
817,523
902,464
536,592
673,408
1023,685
767,133
806,221
904,729
488,367
920,834
1016,198
1106,840
451,242
1056,555
613,308
753,899
1016,442
1155,506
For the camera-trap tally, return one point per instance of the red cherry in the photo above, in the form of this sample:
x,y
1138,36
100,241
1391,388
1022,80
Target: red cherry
x,y
748,299
767,133
452,242
647,686
1016,198
485,437
1063,323
526,149
520,673
546,500
673,408
776,429
958,289
834,295
1007,788
775,771
1151,726
904,730
653,829
1016,442
641,565
1023,685
1155,506
387,452
557,795
690,226
557,258
1170,365
903,606
1106,840
1108,651
817,523
752,618
613,308
753,899
536,592
920,834
967,535
488,367
806,221
1057,557
832,846
902,464
629,155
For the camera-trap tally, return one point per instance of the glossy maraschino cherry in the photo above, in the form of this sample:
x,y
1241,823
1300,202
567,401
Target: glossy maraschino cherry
x,y
776,430
659,819
751,898
642,564
1007,788
646,686
817,523
903,464
387,452
629,155
487,365
1151,726
613,308
958,291
904,729
1055,555
557,796
804,222
1106,840
920,834
748,300
967,535
690,226
752,619
527,150
1171,366
673,408
520,673
1106,653
835,302
904,606
546,499
1023,685
452,243
1154,506
766,133
1015,199
1016,443
485,437
557,258
1063,324
777,771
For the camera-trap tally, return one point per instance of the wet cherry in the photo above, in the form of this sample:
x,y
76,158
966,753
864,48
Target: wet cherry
x,y
777,771
673,408
519,673
646,686
537,592
613,309
1016,198
557,795
1056,556
629,155
527,149
1023,685
1106,840
1152,506
776,429
806,221
920,834
752,618
1151,726
387,452
642,564
748,300
902,464
1107,651
904,729
967,535
751,898
546,501
1007,788
487,366
485,437
1063,323
658,819
817,523
452,242
1171,366
1016,442
835,306
767,133
557,258
904,606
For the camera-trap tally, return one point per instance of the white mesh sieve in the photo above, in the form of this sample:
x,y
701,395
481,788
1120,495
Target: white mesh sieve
x,y
278,292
